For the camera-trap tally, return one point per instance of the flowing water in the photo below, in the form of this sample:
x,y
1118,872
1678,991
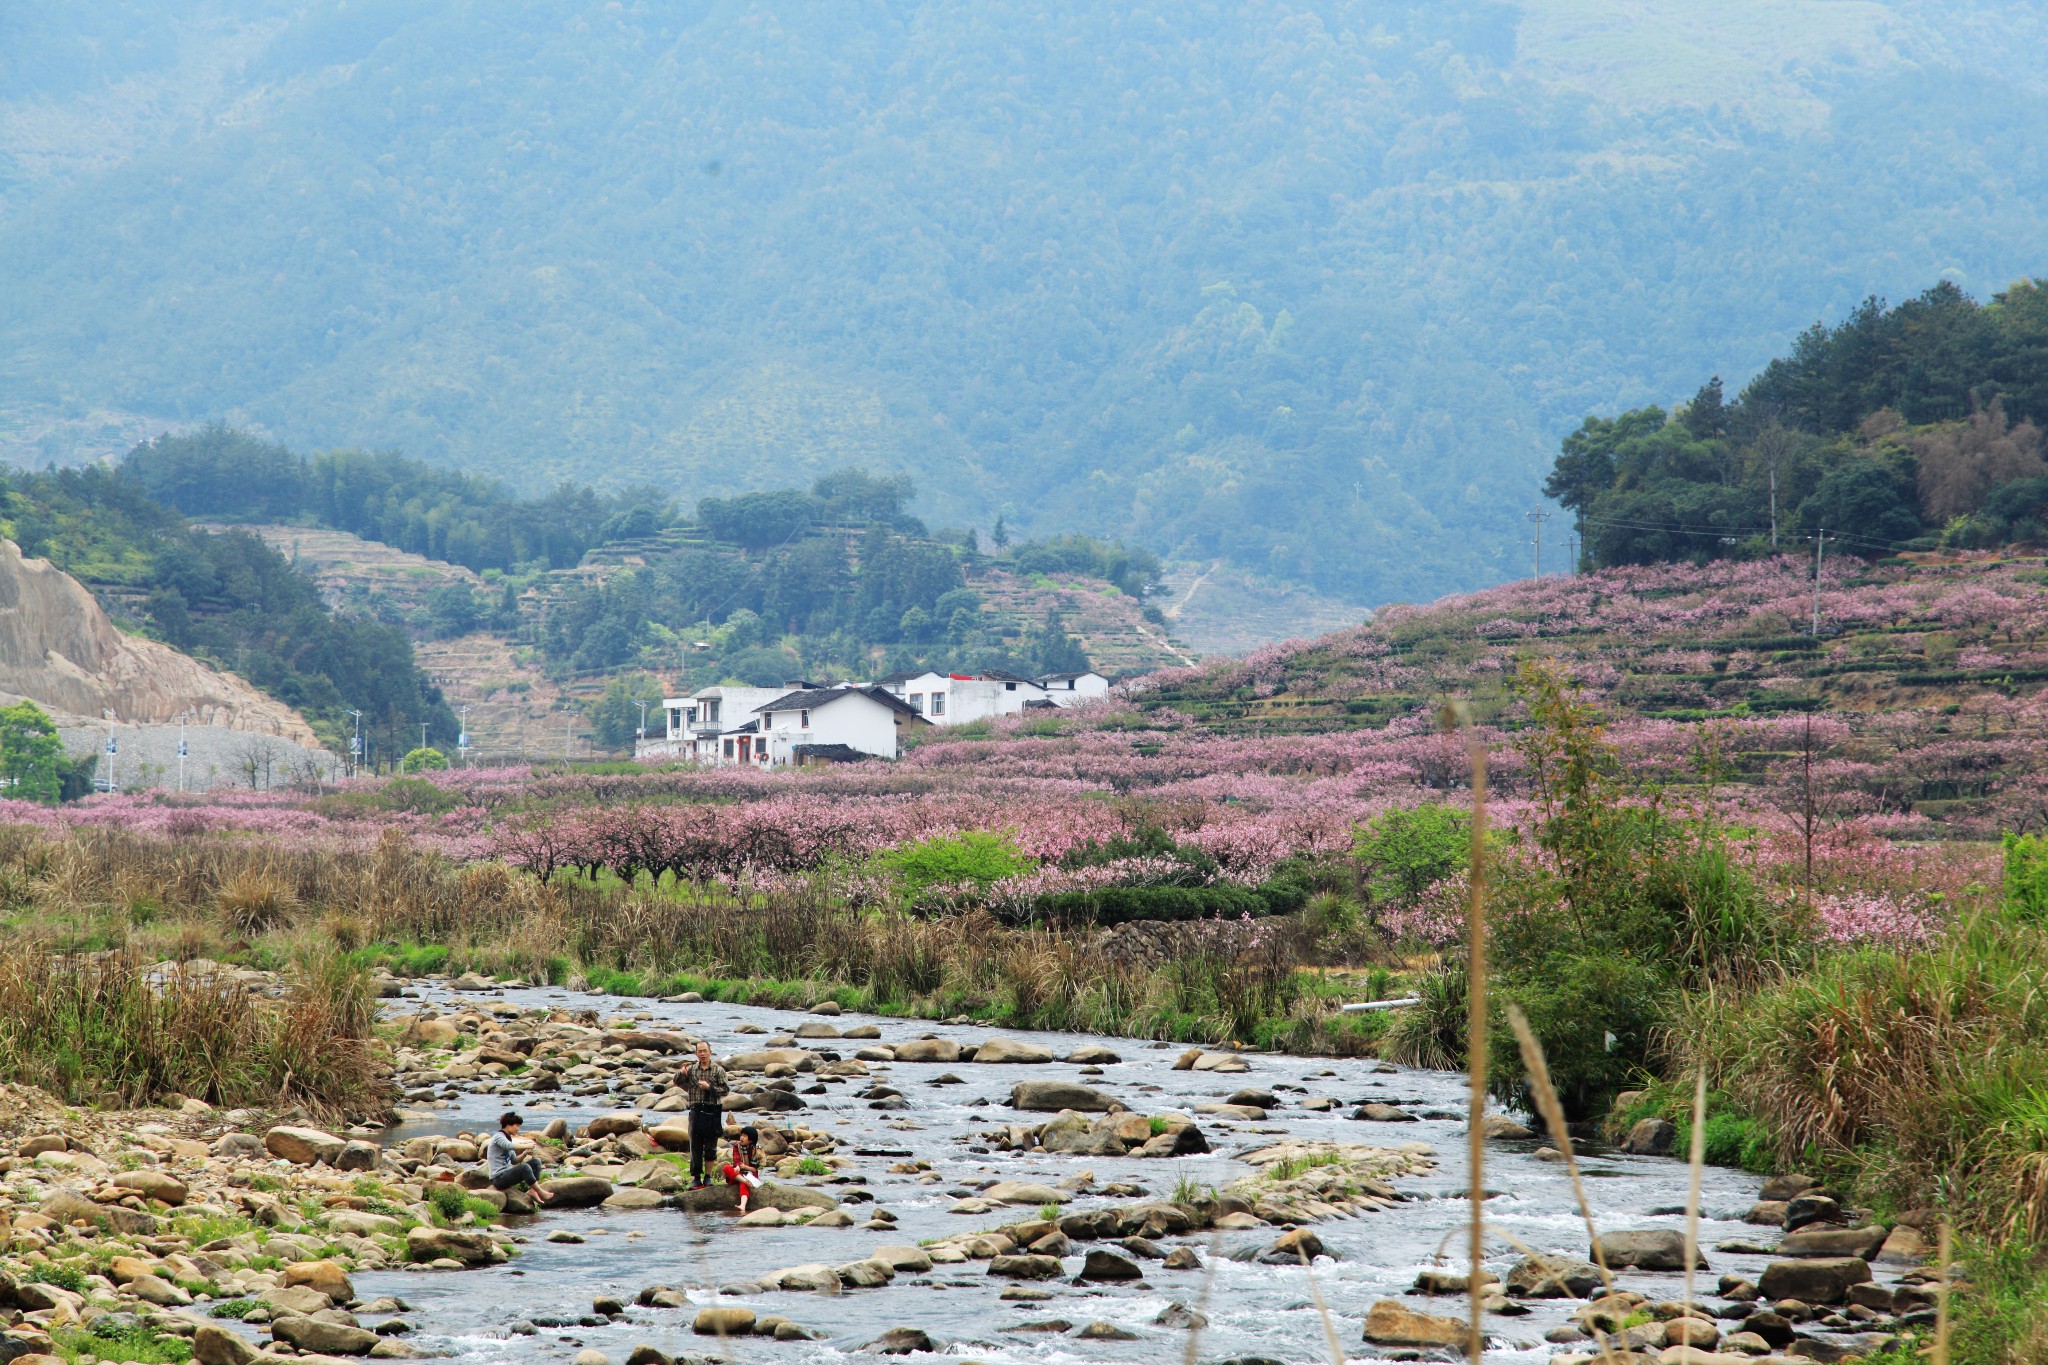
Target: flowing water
x,y
1253,1310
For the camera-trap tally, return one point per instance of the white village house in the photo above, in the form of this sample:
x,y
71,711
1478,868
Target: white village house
x,y
803,722
958,698
766,727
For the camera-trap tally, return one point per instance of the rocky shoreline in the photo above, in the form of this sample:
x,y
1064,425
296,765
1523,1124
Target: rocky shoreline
x,y
234,1235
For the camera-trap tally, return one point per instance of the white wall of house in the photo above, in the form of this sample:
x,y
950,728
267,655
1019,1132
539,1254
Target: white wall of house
x,y
857,721
694,724
960,700
1082,687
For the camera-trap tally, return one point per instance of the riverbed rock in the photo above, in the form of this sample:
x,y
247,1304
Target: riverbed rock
x,y
1182,1258
302,1146
1903,1246
635,1197
212,1345
159,1185
721,1196
1554,1277
901,1341
1825,1241
903,1258
325,1338
718,1321
294,1300
1105,1331
793,1057
67,1206
928,1050
1226,1063
1053,1096
1011,1050
433,1244
578,1191
1296,1247
812,1277
1650,1137
1784,1187
1388,1323
1107,1265
326,1277
1819,1280
1651,1249
1025,1267
1091,1054
1812,1207
1178,1314
1502,1128
1024,1192
612,1124
865,1274
816,1028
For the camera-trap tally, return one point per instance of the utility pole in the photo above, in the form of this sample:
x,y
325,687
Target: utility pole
x,y
462,739
355,747
1539,517
1820,539
641,733
182,715
423,734
113,752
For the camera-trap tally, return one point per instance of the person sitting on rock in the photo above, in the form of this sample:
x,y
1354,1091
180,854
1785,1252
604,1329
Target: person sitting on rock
x,y
507,1171
703,1084
743,1166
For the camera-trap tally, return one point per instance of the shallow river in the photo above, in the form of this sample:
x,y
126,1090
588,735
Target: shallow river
x,y
1253,1310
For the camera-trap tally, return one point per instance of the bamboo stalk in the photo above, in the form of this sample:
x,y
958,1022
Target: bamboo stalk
x,y
1698,1158
1552,1109
1944,1248
1475,1047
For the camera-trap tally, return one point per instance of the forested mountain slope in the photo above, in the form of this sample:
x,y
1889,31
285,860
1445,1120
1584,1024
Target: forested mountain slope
x,y
1312,288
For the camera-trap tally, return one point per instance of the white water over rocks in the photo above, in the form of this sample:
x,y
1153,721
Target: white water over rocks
x,y
1253,1309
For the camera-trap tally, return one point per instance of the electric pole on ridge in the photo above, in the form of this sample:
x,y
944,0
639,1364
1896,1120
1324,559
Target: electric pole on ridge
x,y
1539,516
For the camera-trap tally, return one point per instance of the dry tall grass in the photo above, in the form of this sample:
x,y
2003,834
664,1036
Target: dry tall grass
x,y
111,1028
193,895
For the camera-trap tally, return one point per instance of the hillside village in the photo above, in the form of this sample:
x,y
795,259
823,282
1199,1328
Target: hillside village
x,y
803,722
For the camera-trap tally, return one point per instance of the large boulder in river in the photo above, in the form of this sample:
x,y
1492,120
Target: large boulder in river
x,y
720,1197
1390,1324
68,1206
578,1191
1820,1241
1052,1096
303,1146
793,1057
324,1338
1073,1134
432,1244
1814,1281
1652,1249
1552,1277
1010,1050
928,1050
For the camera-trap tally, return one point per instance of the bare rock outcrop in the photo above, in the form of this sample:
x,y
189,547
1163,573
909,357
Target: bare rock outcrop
x,y
60,651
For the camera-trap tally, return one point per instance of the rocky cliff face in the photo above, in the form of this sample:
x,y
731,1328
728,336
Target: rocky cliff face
x,y
59,650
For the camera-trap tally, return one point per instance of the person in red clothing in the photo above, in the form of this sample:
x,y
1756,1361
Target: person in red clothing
x,y
743,1164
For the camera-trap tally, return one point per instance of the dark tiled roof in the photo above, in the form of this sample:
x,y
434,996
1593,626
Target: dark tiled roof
x,y
829,753
1063,677
815,698
998,675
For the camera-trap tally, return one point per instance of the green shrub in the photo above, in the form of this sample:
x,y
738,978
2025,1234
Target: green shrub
x,y
1403,853
1594,1014
978,858
61,1276
231,1308
1121,904
2026,877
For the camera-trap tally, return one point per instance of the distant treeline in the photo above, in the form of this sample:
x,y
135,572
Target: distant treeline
x,y
764,602
219,473
1902,428
229,599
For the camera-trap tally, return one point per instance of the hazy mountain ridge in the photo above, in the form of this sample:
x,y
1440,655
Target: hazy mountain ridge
x,y
1314,290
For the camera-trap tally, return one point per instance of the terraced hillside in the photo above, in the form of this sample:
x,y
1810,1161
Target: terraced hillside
x,y
1923,691
366,575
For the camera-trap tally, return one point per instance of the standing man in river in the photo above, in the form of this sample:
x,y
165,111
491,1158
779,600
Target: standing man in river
x,y
703,1082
